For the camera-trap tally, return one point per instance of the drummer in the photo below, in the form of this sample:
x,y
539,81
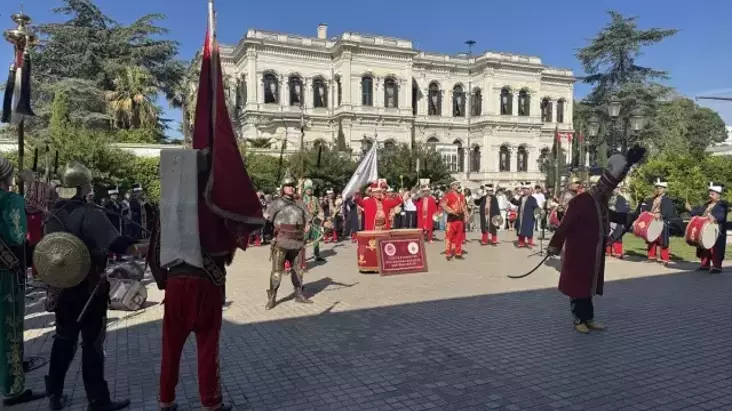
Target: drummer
x,y
619,204
663,209
716,211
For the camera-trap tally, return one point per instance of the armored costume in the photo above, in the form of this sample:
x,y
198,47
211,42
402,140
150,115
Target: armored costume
x,y
79,236
290,219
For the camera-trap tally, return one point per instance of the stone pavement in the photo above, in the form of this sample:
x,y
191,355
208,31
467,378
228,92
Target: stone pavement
x,y
461,337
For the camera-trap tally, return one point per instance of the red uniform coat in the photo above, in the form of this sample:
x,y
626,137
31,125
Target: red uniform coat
x,y
424,219
456,202
369,206
583,232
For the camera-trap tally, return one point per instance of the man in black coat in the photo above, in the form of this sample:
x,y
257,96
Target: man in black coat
x,y
488,210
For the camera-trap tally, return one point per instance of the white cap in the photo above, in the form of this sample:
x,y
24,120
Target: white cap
x,y
659,183
717,188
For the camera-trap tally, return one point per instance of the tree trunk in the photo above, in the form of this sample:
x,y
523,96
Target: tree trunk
x,y
186,123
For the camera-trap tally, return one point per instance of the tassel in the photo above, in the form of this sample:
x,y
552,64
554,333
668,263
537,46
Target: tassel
x,y
23,108
8,98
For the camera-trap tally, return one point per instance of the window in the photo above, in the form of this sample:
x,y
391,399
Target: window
x,y
435,100
432,143
524,103
458,102
504,159
476,103
522,158
415,97
560,111
367,91
271,89
241,92
475,159
546,110
389,145
506,102
366,146
391,93
295,91
340,90
460,157
320,93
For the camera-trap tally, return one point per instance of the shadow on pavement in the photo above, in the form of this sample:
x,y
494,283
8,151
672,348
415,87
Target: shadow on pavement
x,y
667,346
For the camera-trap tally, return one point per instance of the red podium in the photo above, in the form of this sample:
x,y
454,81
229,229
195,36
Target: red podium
x,y
391,252
368,261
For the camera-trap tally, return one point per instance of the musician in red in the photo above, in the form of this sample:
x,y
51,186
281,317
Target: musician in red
x,y
426,210
583,232
614,247
453,204
716,211
663,209
377,208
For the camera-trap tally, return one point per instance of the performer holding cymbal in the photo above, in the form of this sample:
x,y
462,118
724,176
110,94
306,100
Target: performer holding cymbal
x,y
453,203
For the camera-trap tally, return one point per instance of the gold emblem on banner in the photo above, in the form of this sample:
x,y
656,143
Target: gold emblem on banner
x,y
372,244
361,259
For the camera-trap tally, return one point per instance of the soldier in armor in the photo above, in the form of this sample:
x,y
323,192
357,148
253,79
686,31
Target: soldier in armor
x,y
89,224
291,221
332,211
315,217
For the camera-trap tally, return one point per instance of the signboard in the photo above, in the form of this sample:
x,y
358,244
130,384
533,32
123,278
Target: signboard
x,y
401,255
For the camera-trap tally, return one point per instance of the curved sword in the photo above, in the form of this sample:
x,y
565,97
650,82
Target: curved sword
x,y
546,257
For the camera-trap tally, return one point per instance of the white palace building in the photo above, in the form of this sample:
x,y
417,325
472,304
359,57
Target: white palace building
x,y
375,88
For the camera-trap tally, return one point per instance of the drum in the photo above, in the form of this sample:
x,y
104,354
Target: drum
x,y
512,215
126,295
647,227
702,233
404,232
554,218
366,255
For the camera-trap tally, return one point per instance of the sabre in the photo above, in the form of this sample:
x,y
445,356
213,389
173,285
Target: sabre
x,y
546,257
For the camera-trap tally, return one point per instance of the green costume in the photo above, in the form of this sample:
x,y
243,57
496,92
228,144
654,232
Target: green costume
x,y
12,293
313,207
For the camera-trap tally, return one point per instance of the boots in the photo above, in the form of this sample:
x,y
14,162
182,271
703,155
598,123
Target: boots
x,y
271,299
56,399
300,297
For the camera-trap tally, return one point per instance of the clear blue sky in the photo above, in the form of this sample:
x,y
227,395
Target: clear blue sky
x,y
698,58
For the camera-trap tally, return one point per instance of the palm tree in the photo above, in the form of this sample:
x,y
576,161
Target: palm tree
x,y
132,102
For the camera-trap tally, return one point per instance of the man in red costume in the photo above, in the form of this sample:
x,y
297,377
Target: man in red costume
x,y
228,210
377,208
453,204
426,210
584,232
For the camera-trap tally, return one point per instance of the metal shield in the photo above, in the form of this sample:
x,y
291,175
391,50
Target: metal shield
x,y
62,260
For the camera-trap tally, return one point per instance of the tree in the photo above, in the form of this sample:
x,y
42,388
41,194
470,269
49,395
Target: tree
x,y
610,64
334,170
263,170
400,160
131,103
341,139
682,125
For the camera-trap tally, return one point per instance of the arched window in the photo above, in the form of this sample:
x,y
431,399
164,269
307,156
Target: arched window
x,y
524,103
546,110
367,91
522,160
544,160
458,162
320,92
415,97
389,145
319,143
391,93
432,143
296,96
458,102
504,159
560,110
271,89
475,159
506,101
339,89
435,100
476,103
241,92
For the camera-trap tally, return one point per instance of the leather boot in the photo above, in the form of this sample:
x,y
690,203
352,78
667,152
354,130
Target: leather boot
x,y
300,297
56,399
271,299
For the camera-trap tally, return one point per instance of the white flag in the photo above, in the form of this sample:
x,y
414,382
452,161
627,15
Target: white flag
x,y
367,172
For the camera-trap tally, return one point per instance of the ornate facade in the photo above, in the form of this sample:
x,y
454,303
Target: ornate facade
x,y
490,115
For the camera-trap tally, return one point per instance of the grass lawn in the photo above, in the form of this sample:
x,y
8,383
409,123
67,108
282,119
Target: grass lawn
x,y
680,251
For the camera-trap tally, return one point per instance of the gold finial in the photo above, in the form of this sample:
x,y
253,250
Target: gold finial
x,y
21,36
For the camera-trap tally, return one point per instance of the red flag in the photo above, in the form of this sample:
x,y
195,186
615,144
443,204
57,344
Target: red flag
x,y
228,207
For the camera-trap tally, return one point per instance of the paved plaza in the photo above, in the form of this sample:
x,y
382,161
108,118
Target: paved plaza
x,y
461,337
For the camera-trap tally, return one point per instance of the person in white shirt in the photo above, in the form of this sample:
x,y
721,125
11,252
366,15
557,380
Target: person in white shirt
x,y
540,200
503,207
410,211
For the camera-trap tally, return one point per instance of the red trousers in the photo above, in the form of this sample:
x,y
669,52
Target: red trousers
x,y
489,238
525,241
710,257
428,234
192,305
615,249
665,255
454,237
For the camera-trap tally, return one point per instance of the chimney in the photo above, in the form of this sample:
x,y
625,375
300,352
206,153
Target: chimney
x,y
322,31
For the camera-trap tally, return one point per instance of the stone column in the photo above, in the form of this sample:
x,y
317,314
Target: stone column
x,y
254,90
423,104
346,80
284,91
378,92
515,96
258,85
307,90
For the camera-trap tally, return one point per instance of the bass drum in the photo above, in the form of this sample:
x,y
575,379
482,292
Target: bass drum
x,y
126,295
554,219
647,227
702,233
